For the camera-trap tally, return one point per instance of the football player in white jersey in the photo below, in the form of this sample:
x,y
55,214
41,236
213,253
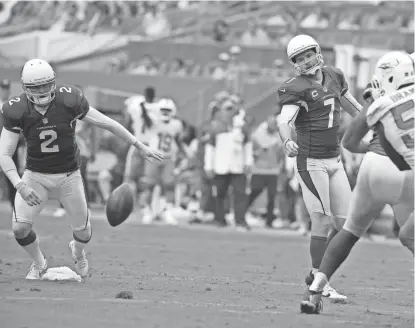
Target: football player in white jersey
x,y
164,135
142,111
379,182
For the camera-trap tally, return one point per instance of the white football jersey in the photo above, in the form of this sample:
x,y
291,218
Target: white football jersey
x,y
163,136
134,107
396,112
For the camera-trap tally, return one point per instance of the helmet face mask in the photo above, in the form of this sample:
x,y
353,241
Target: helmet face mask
x,y
306,62
166,114
304,54
38,82
167,109
40,94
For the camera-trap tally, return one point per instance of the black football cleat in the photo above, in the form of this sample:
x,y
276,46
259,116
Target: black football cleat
x,y
312,302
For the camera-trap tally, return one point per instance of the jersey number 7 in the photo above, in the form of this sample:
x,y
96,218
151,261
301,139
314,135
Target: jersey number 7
x,y
331,104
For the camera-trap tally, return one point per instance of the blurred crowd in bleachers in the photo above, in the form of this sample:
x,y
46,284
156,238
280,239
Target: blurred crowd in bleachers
x,y
383,24
169,15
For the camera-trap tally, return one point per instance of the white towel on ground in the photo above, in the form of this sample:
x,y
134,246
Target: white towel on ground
x,y
61,274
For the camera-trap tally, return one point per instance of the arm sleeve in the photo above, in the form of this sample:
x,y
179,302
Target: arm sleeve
x,y
102,121
288,114
342,81
8,146
350,104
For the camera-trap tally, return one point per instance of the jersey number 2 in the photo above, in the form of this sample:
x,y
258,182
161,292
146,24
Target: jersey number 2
x,y
330,103
48,136
404,119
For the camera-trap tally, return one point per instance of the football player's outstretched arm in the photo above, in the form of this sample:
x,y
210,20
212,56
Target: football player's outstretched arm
x,y
102,121
350,104
355,132
358,128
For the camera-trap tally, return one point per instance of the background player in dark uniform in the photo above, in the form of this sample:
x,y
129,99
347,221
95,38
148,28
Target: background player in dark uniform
x,y
310,105
46,115
379,182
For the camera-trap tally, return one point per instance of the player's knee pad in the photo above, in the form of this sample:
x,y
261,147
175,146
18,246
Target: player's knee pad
x,y
320,224
27,240
82,234
21,229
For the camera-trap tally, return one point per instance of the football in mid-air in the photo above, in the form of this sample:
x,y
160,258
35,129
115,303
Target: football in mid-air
x,y
120,204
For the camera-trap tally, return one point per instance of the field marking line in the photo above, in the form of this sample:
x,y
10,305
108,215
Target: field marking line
x,y
220,306
232,281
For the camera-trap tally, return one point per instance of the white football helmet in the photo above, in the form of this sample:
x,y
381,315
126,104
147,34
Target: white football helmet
x,y
38,81
168,109
393,70
300,44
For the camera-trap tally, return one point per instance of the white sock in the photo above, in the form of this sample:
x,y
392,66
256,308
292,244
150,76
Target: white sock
x,y
78,248
35,253
314,271
320,280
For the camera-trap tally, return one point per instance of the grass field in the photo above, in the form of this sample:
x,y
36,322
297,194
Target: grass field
x,y
199,277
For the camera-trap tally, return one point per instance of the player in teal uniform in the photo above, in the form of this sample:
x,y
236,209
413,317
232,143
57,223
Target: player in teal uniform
x,y
46,115
310,106
379,181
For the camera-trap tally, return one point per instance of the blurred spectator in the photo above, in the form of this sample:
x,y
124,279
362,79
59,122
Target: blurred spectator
x,y
277,20
147,66
220,31
4,91
350,21
287,33
186,168
205,181
6,10
221,70
228,158
269,158
179,67
316,19
255,36
155,23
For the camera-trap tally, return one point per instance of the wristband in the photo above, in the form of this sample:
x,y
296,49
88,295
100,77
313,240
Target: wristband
x,y
286,140
19,186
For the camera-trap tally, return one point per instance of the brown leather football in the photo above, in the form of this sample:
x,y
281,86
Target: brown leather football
x,y
120,204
